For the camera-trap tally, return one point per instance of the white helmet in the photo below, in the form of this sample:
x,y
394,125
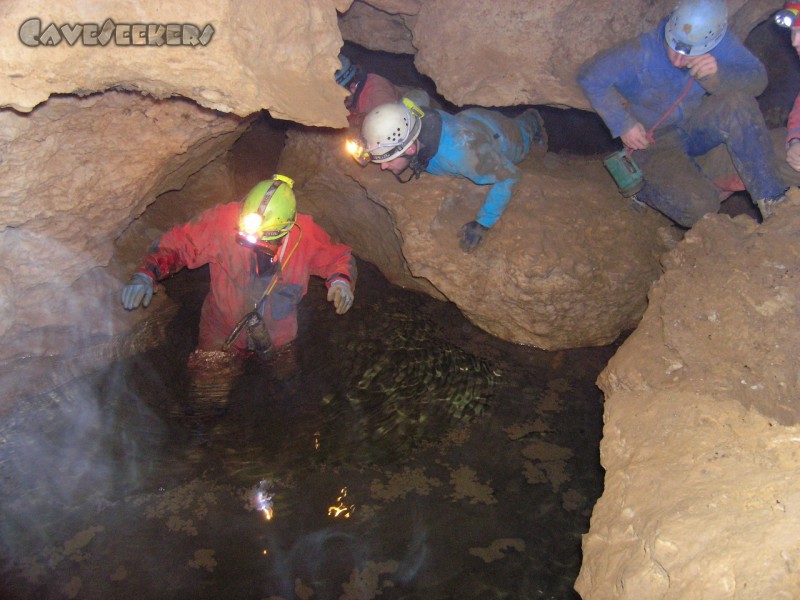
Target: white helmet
x,y
388,130
697,26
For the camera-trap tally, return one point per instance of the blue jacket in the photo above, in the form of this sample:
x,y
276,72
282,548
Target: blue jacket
x,y
635,81
483,146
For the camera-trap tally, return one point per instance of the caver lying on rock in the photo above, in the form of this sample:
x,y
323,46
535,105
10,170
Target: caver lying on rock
x,y
480,144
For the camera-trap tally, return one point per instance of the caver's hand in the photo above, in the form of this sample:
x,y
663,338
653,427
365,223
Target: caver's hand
x,y
139,290
702,66
471,235
341,294
635,138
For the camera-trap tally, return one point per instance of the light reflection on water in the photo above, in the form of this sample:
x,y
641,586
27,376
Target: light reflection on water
x,y
398,451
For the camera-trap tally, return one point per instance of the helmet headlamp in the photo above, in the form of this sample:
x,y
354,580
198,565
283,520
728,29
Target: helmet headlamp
x,y
789,16
268,213
355,148
251,223
268,247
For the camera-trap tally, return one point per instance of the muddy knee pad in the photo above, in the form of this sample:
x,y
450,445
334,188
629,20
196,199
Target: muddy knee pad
x,y
675,186
685,206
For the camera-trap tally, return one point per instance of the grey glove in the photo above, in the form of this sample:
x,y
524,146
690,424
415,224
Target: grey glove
x,y
470,235
341,294
139,290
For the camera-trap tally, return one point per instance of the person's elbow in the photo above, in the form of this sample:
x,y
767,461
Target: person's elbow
x,y
761,85
584,77
753,80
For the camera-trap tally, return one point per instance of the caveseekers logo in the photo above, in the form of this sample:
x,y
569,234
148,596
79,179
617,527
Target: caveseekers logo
x,y
122,34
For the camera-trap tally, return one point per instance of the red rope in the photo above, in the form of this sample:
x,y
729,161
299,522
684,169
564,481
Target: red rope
x,y
649,133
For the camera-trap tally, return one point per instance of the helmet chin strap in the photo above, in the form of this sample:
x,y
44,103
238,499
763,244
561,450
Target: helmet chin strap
x,y
419,161
427,146
415,165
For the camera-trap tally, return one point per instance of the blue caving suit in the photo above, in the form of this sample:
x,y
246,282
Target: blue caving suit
x,y
636,82
484,146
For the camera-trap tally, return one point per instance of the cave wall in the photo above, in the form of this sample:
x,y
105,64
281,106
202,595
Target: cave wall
x,y
76,173
702,425
518,52
278,55
700,436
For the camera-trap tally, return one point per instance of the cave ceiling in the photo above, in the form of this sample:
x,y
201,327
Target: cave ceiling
x,y
280,55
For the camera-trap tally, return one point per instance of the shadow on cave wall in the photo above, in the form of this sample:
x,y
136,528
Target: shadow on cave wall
x,y
773,46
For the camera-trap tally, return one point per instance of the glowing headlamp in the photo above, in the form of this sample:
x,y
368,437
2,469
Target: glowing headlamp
x,y
789,16
251,223
355,148
255,242
251,236
363,157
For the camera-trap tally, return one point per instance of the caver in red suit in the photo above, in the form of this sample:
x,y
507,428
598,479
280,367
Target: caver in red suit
x,y
369,90
240,275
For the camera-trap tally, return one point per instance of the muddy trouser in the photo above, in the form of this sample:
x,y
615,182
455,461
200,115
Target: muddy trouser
x,y
717,163
674,183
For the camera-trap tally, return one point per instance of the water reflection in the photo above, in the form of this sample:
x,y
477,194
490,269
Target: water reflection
x,y
398,452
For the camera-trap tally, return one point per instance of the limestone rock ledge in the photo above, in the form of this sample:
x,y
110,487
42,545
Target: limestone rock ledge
x,y
76,173
702,426
278,55
281,55
568,265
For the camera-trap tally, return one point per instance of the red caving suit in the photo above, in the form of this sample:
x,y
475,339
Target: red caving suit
x,y
236,285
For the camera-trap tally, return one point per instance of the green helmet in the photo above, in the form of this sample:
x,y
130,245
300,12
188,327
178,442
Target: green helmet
x,y
268,211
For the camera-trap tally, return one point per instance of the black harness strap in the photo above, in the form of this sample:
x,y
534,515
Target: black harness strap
x,y
430,135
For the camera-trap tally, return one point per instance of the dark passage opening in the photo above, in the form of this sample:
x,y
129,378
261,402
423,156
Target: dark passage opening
x,y
570,131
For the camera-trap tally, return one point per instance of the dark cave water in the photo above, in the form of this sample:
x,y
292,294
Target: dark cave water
x,y
123,485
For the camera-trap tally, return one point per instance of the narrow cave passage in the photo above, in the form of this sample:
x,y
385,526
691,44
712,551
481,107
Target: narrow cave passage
x,y
135,489
405,454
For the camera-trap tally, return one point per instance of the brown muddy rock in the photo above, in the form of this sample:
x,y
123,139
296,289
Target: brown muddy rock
x,y
76,173
701,432
568,265
387,28
517,52
278,55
